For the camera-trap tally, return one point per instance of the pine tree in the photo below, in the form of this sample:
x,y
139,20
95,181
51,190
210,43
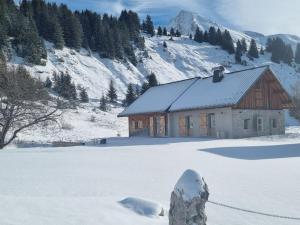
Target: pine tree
x,y
177,33
83,95
297,54
3,65
253,52
159,31
152,81
30,45
198,35
205,36
57,36
130,95
288,55
212,36
165,32
172,32
149,26
145,87
48,83
103,103
112,93
244,45
238,52
227,42
64,86
219,37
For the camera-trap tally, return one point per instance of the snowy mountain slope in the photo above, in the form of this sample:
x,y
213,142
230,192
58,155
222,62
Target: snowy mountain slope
x,y
287,38
186,22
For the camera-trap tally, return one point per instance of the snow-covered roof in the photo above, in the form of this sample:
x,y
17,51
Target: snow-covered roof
x,y
206,94
159,98
196,93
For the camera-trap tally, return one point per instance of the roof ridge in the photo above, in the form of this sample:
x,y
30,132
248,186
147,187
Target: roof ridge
x,y
182,93
177,81
251,68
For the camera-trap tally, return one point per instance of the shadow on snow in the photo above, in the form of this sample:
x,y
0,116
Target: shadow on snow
x,y
257,152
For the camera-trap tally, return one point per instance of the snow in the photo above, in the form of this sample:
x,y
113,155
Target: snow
x,y
159,98
83,124
187,22
204,93
190,185
83,185
141,206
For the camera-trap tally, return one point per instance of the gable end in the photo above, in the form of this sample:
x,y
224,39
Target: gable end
x,y
265,93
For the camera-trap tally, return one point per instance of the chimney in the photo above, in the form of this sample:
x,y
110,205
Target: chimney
x,y
218,74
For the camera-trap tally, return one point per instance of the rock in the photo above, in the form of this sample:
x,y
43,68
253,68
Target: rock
x,y
188,200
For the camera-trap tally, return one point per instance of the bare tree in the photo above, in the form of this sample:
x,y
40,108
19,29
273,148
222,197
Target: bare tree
x,y
24,103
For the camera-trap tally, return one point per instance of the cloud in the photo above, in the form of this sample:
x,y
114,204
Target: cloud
x,y
265,16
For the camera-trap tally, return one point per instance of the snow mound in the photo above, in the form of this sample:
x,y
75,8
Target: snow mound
x,y
141,206
189,185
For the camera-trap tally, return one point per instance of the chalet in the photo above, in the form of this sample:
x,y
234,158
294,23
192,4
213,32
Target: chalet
x,y
239,104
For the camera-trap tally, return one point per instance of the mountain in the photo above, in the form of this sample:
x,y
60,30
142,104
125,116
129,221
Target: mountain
x,y
186,22
181,59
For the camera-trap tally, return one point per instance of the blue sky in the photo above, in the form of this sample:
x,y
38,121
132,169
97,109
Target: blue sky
x,y
265,16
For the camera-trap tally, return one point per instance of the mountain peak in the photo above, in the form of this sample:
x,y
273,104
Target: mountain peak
x,y
187,22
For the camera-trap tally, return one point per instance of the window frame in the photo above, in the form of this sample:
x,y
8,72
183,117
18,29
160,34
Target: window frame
x,y
246,124
260,126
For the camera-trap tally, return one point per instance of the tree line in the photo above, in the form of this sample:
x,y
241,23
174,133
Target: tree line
x,y
132,93
34,21
281,52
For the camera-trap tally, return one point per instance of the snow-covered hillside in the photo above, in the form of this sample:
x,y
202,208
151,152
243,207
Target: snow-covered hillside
x,y
183,58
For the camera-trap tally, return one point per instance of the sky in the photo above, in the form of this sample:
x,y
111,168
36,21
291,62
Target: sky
x,y
264,16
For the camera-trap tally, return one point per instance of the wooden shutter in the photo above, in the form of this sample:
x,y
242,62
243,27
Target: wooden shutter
x,y
203,124
151,126
162,126
182,127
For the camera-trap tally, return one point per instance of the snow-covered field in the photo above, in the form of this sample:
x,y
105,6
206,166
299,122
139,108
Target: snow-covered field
x,y
86,185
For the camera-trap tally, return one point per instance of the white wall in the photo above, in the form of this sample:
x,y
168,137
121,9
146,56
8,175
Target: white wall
x,y
240,115
223,120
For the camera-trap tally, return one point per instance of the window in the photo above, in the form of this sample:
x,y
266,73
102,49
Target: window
x,y
274,123
259,124
140,124
246,124
188,122
211,120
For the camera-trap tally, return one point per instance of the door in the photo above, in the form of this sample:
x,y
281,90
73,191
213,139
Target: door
x,y
203,124
260,125
211,124
188,126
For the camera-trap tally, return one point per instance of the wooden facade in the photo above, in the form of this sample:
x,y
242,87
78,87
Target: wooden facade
x,y
266,93
154,125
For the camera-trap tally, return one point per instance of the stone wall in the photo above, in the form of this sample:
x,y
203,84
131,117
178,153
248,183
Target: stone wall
x,y
252,115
